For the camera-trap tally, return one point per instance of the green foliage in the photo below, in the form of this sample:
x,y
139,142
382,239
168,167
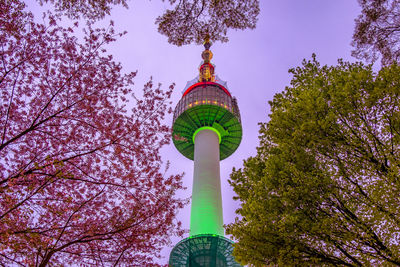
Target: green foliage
x,y
324,187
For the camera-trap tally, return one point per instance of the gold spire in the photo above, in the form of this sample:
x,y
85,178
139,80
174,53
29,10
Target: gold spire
x,y
206,70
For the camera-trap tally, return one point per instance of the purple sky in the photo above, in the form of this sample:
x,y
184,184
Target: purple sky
x,y
255,64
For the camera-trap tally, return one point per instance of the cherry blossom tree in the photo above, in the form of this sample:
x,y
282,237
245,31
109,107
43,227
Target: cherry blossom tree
x,y
189,21
88,9
81,178
377,31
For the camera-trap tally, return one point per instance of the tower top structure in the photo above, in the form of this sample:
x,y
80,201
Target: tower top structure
x,y
207,103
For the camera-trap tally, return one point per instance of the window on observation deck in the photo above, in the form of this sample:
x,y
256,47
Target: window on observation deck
x,y
205,94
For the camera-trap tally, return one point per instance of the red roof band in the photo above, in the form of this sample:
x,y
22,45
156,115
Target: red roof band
x,y
209,65
204,84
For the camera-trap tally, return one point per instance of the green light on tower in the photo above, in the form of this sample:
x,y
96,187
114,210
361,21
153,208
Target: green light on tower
x,y
206,128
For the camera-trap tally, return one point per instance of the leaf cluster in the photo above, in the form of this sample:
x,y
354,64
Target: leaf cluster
x,y
324,187
377,31
88,9
192,20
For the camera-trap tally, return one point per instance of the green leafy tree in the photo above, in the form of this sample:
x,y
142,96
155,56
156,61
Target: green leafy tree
x,y
377,31
189,21
324,187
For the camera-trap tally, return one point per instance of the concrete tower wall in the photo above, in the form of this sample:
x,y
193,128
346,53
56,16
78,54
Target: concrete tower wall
x,y
206,212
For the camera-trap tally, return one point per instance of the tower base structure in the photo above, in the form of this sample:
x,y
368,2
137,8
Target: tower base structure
x,y
203,250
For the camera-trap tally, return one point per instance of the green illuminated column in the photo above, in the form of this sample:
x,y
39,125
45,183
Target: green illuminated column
x,y
206,212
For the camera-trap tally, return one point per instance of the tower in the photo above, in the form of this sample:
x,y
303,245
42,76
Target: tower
x,y
206,128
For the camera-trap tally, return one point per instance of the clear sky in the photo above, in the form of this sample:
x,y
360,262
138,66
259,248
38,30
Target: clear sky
x,y
255,64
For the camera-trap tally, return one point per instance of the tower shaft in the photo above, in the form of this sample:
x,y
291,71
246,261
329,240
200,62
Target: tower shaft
x,y
206,212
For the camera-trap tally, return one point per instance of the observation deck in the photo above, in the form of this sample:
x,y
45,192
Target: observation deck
x,y
207,105
203,250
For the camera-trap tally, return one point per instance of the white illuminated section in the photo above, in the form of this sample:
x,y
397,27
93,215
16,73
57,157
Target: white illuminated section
x,y
206,212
